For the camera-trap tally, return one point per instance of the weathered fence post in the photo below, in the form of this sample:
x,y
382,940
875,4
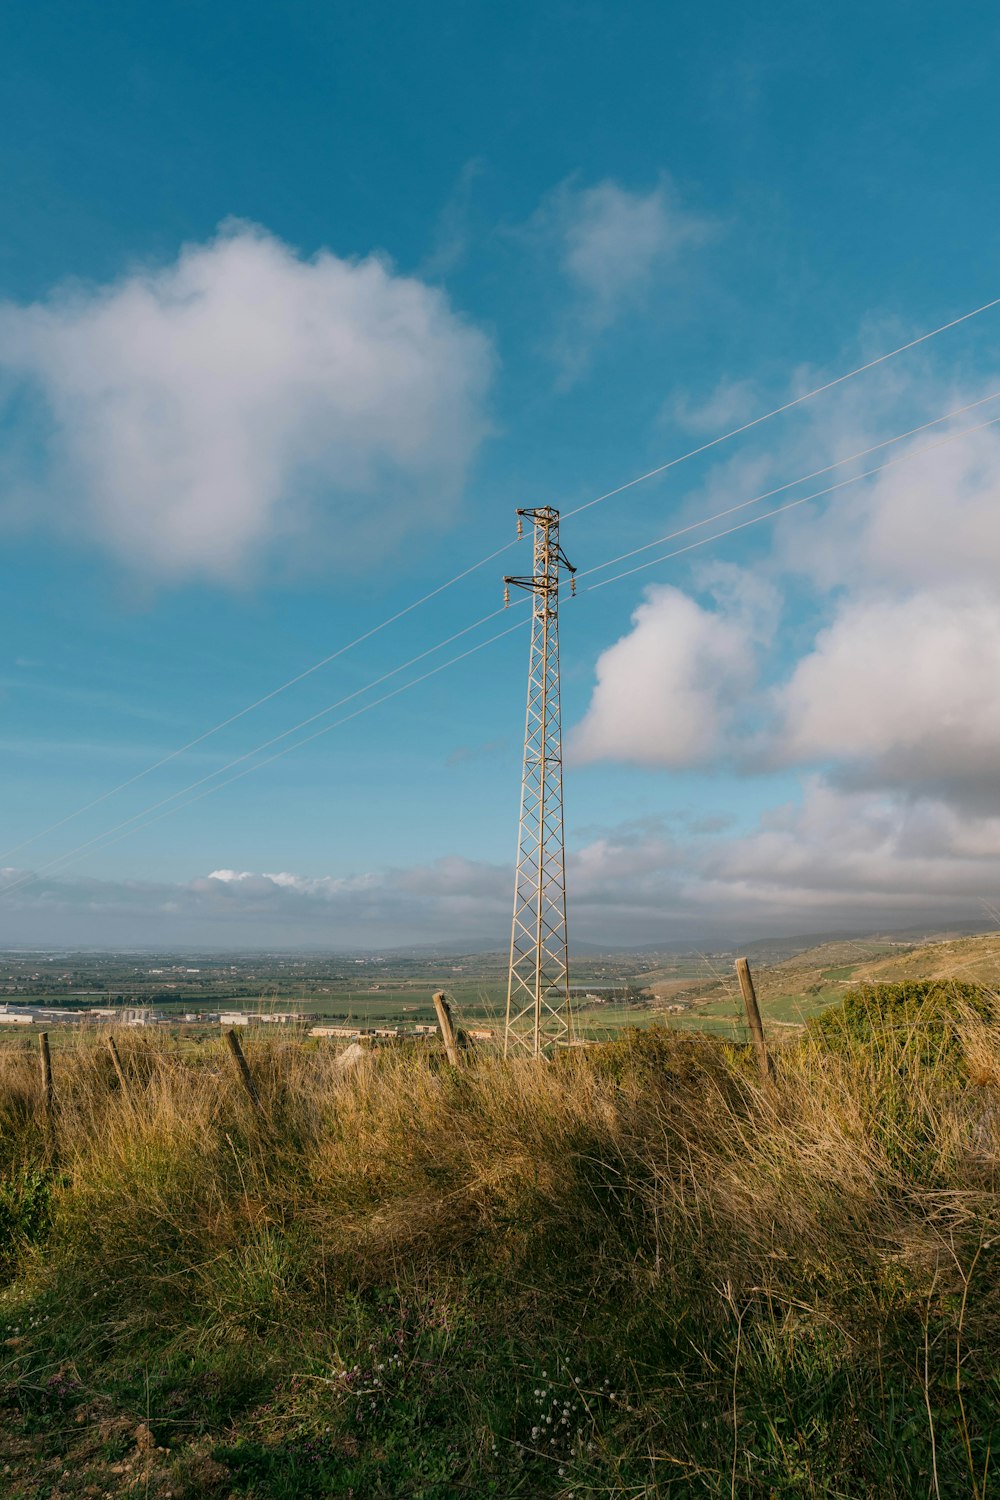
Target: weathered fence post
x,y
43,1047
241,1063
118,1065
443,1010
753,1016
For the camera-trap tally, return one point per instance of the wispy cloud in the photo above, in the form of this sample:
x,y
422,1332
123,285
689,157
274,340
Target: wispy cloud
x,y
611,244
453,232
464,753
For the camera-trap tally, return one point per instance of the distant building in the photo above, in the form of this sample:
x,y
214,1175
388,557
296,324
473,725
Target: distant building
x,y
124,1015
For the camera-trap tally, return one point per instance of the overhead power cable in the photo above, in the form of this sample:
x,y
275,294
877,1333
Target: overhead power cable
x,y
490,557
769,515
365,707
125,826
122,831
259,702
793,483
778,410
134,825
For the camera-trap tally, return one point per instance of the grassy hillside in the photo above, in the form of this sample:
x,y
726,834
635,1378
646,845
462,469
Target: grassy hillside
x,y
797,988
629,1272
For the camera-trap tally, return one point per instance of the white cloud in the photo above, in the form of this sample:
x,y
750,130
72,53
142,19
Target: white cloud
x,y
857,856
905,687
243,403
666,692
925,522
731,403
452,900
836,860
614,240
612,246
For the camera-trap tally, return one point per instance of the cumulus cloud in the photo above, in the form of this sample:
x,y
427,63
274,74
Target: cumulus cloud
x,y
895,687
928,521
903,688
666,691
859,856
244,403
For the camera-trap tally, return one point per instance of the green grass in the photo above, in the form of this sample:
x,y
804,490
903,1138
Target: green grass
x,y
401,1282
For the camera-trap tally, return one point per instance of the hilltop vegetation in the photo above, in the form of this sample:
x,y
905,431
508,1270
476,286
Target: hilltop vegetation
x,y
630,1272
794,989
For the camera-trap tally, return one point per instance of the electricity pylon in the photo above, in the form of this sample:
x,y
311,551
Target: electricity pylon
x,y
538,1004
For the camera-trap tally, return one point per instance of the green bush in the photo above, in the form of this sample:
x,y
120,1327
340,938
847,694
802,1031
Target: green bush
x,y
924,1012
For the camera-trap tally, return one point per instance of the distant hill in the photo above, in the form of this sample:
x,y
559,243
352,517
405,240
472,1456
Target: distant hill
x,y
797,987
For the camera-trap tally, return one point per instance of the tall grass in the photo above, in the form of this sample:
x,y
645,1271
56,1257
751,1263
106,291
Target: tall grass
x,y
401,1280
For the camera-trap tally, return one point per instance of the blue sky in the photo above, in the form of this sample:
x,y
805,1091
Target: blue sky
x,y
298,303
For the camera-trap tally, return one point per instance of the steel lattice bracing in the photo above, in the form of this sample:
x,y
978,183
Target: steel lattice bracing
x,y
538,1007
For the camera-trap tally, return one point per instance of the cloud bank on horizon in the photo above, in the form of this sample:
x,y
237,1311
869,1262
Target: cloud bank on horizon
x,y
837,861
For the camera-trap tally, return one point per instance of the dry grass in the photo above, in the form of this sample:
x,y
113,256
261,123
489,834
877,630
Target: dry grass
x,y
793,1285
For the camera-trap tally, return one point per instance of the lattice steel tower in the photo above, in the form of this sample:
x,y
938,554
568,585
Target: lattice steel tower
x,y
538,1005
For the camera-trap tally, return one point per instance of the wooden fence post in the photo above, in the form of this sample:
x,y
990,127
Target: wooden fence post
x,y
43,1047
443,1010
753,1016
118,1065
241,1063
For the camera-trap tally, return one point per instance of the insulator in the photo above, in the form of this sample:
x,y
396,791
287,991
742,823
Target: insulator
x,y
506,595
520,528
572,588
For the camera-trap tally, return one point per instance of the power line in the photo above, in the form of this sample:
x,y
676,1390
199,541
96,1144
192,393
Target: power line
x,y
803,479
125,825
791,504
490,557
788,406
122,831
274,693
133,825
